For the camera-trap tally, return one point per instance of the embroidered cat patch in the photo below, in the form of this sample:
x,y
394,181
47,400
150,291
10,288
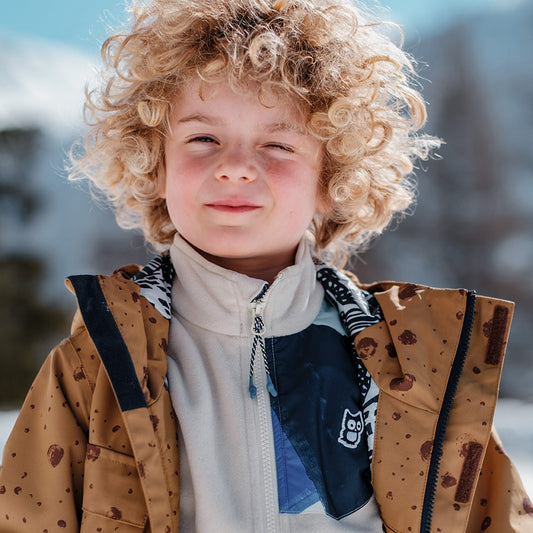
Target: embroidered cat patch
x,y
352,429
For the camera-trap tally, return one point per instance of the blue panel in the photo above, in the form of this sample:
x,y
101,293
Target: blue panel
x,y
296,492
318,406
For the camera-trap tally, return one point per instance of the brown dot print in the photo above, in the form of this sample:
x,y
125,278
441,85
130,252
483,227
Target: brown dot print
x,y
135,297
366,347
61,523
55,454
114,513
426,449
93,452
391,351
448,481
407,292
487,328
408,338
528,506
78,374
164,345
140,468
486,523
155,421
402,384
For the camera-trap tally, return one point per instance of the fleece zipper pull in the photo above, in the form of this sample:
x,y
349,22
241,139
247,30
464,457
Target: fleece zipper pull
x,y
258,331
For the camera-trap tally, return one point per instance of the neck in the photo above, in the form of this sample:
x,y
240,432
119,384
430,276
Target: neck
x,y
263,267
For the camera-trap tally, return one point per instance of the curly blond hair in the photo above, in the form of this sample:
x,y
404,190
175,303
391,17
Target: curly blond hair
x,y
354,83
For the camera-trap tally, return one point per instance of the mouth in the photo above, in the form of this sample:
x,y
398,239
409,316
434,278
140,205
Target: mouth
x,y
233,205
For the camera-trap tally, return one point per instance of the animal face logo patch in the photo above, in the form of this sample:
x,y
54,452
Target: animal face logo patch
x,y
351,429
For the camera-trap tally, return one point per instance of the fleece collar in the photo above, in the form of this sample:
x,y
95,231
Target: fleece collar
x,y
357,308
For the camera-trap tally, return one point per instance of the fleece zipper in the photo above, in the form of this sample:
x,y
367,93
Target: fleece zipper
x,y
444,415
260,393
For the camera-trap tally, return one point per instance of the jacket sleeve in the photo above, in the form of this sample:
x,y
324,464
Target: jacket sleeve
x,y
500,502
41,478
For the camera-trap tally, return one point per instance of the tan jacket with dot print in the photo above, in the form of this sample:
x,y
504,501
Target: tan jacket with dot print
x,y
95,446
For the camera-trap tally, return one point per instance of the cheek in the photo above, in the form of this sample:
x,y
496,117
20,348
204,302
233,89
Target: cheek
x,y
178,199
298,184
181,178
299,201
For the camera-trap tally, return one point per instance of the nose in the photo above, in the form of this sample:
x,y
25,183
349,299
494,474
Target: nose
x,y
236,164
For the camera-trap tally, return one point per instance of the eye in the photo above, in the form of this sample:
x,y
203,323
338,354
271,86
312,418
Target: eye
x,y
202,139
279,146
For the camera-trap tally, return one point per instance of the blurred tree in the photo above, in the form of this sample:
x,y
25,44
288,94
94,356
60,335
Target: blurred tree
x,y
27,323
470,212
17,150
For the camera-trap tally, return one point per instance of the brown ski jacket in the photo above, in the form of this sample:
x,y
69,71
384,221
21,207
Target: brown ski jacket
x,y
95,446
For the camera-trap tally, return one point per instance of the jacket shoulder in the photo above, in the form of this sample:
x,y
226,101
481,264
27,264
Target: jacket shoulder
x,y
119,327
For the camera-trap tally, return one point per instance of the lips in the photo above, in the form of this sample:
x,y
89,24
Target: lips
x,y
233,205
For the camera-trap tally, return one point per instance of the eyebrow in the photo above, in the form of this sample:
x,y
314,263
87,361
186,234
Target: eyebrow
x,y
285,126
269,128
198,117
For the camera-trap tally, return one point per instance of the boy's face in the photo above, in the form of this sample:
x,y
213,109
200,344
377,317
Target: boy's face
x,y
241,178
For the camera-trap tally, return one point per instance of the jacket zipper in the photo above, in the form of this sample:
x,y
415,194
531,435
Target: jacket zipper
x,y
444,415
261,394
257,306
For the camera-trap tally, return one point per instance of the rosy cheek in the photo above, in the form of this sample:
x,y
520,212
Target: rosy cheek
x,y
278,169
193,168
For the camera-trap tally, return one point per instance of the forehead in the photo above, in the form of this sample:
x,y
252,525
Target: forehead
x,y
196,97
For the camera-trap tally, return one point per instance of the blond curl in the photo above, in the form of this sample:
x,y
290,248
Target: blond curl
x,y
352,81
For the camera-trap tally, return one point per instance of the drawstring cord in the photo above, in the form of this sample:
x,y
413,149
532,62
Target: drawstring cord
x,y
258,332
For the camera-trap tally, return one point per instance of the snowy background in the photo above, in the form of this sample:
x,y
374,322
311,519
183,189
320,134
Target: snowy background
x,y
473,222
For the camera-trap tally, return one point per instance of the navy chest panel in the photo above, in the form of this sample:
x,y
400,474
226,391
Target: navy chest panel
x,y
321,447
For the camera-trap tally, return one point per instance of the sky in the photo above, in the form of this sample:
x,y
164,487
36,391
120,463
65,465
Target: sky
x,y
83,24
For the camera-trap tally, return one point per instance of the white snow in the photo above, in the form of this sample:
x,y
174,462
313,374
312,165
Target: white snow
x,y
42,83
513,420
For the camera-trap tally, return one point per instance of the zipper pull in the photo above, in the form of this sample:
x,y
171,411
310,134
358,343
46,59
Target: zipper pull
x,y
270,386
258,332
252,388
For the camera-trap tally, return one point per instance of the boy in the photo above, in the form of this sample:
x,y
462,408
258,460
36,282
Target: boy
x,y
237,383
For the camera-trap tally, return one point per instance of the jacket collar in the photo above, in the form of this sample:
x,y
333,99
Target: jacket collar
x,y
357,308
